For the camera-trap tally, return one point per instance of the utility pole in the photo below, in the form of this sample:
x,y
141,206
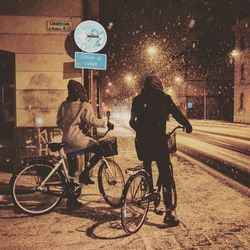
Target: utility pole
x,y
90,11
86,73
204,100
185,58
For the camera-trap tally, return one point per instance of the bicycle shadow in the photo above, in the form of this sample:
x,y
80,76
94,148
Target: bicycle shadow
x,y
103,221
15,213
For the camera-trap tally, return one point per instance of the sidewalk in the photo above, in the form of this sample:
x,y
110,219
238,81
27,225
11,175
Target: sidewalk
x,y
212,214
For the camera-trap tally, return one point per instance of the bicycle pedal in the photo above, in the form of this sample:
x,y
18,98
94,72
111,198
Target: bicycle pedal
x,y
158,212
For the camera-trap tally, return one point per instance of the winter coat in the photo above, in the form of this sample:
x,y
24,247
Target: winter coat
x,y
71,118
149,113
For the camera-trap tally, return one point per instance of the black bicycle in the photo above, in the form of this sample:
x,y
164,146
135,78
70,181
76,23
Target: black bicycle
x,y
41,183
136,196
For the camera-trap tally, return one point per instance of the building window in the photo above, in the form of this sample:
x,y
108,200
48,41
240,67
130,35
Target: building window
x,y
241,101
243,43
242,72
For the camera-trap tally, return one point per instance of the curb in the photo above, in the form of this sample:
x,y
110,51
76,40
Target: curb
x,y
215,173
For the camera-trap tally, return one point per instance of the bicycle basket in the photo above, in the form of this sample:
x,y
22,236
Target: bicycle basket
x,y
172,143
109,146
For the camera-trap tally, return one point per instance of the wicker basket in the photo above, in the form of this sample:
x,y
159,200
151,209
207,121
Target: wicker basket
x,y
172,148
109,146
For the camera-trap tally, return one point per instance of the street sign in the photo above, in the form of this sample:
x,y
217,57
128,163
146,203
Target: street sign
x,y
90,61
90,36
59,25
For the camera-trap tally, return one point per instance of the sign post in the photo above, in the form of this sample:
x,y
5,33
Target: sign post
x,y
90,36
90,61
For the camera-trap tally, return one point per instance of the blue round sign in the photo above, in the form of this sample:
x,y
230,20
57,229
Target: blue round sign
x,y
90,36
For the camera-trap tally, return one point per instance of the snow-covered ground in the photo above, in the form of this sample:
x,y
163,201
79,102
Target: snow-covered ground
x,y
212,215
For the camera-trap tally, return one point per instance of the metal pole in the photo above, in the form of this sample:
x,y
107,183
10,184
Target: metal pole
x,y
186,80
204,100
86,72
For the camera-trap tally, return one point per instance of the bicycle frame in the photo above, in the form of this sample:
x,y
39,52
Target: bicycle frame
x,y
107,164
62,162
57,166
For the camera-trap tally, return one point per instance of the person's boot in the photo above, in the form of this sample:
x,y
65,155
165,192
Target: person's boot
x,y
84,178
170,220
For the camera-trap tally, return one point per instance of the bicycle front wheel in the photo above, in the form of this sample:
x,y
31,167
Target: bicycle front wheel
x,y
135,200
111,182
30,196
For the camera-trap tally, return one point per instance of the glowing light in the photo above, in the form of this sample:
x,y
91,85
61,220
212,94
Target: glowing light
x,y
235,53
191,23
110,83
107,91
39,120
170,91
128,78
178,79
110,25
152,50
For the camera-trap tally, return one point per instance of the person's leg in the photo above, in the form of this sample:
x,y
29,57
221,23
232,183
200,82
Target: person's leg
x,y
72,162
84,176
72,202
148,167
166,180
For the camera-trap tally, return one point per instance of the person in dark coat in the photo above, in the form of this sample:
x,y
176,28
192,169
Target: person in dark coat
x,y
149,113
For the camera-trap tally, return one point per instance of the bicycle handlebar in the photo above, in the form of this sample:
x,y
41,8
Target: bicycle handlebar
x,y
101,136
105,133
177,127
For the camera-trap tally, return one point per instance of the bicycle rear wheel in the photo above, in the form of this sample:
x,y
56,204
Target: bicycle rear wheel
x,y
135,202
26,191
111,182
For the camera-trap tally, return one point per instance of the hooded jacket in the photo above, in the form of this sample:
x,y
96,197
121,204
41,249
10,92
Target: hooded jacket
x,y
149,113
73,115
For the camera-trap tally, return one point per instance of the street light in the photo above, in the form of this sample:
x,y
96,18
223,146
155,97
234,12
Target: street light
x,y
178,79
235,53
152,51
128,78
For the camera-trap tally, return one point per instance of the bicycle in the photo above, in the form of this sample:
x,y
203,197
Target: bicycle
x,y
136,196
39,186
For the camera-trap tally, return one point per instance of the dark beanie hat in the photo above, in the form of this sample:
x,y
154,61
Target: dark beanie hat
x,y
153,82
76,91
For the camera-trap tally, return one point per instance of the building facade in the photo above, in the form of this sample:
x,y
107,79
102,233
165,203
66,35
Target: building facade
x,y
205,89
36,61
241,58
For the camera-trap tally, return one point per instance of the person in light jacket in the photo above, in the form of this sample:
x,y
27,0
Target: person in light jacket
x,y
149,113
74,115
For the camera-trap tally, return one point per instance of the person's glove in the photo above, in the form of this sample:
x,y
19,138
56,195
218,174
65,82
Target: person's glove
x,y
110,126
188,128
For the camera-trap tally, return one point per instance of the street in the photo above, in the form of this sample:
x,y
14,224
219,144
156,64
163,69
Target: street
x,y
221,146
213,215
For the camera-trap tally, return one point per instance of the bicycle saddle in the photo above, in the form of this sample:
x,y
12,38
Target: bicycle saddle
x,y
56,146
133,170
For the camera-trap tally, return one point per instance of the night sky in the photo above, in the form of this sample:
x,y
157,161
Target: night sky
x,y
171,26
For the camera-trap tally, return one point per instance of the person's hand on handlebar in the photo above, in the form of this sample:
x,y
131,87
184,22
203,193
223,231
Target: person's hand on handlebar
x,y
188,128
110,126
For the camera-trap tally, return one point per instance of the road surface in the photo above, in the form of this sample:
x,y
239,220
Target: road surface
x,y
220,145
213,215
